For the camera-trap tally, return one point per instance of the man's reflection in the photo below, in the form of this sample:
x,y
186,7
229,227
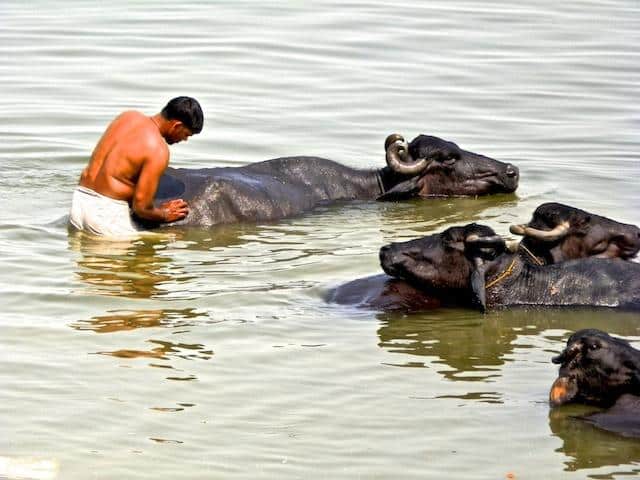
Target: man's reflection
x,y
145,267
128,268
164,350
118,320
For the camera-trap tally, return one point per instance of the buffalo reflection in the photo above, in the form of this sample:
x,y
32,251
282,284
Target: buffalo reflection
x,y
471,345
417,218
589,447
476,346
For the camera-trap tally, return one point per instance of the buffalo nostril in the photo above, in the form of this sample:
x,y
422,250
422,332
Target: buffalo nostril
x,y
511,171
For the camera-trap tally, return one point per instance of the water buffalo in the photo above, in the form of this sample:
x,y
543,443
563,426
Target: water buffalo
x,y
471,265
284,187
598,369
558,232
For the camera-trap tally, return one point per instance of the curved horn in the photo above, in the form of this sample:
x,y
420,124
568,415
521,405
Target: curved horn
x,y
393,138
475,239
397,151
557,233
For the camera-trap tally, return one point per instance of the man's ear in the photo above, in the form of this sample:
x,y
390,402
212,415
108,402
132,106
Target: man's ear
x,y
478,294
401,191
174,124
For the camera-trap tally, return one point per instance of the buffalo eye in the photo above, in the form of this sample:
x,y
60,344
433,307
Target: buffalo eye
x,y
594,346
449,161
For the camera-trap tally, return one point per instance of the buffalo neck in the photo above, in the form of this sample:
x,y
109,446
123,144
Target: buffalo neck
x,y
588,281
389,179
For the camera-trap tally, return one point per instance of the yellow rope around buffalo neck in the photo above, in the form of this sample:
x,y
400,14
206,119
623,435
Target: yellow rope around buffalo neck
x,y
535,259
503,275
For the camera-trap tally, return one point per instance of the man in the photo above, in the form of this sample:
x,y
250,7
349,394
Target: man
x,y
125,169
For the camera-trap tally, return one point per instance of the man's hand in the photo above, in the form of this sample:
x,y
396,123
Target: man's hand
x,y
174,210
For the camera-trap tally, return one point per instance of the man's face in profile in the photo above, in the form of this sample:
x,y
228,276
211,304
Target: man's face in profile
x,y
178,133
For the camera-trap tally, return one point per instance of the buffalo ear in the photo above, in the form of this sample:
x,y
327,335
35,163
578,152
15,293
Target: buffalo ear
x,y
401,191
478,291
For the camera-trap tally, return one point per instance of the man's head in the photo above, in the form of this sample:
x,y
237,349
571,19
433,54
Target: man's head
x,y
185,117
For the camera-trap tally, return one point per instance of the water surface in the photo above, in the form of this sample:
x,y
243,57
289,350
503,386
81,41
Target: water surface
x,y
211,354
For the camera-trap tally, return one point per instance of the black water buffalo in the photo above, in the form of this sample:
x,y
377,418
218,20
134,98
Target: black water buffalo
x,y
471,265
284,187
558,232
382,292
598,369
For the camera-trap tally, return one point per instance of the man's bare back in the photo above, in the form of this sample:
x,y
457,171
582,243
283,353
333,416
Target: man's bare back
x,y
132,154
130,140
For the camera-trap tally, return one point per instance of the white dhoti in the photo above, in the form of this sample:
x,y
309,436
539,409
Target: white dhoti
x,y
101,215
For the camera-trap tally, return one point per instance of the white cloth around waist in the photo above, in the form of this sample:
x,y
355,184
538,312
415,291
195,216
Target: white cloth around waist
x,y
101,215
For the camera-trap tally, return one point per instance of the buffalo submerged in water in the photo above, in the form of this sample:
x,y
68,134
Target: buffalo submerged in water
x,y
471,265
285,187
598,369
555,234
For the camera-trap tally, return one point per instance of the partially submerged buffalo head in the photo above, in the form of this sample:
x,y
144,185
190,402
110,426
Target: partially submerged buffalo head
x,y
437,168
471,265
558,232
450,264
596,369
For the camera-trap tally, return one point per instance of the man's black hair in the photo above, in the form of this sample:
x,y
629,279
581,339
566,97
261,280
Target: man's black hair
x,y
187,110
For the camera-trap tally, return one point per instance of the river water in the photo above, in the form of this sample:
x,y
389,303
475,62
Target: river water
x,y
211,354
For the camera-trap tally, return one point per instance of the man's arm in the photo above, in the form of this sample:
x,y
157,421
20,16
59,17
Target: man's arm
x,y
146,186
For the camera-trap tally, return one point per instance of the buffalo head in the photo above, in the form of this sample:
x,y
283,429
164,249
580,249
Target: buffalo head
x,y
450,264
437,168
559,232
596,369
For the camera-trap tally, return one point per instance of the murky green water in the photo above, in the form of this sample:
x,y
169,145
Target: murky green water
x,y
211,354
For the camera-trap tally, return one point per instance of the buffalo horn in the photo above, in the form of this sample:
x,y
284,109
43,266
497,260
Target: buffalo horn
x,y
557,233
397,151
475,239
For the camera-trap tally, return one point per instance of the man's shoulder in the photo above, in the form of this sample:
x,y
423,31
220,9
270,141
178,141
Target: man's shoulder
x,y
139,135
143,128
132,115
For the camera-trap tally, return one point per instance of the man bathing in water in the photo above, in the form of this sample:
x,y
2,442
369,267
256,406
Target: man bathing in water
x,y
125,168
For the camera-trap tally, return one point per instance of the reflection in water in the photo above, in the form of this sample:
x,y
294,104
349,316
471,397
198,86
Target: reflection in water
x,y
164,440
164,352
118,321
128,268
476,345
427,216
186,264
589,447
485,397
473,346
